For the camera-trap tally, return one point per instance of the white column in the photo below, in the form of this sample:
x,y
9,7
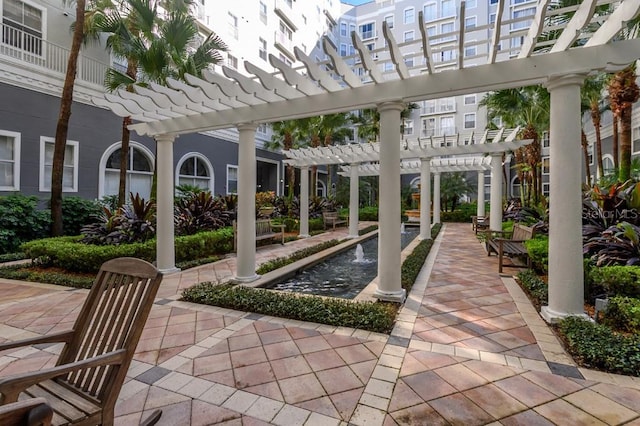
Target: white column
x,y
389,220
436,197
165,246
304,202
246,220
425,198
354,200
480,209
566,292
495,218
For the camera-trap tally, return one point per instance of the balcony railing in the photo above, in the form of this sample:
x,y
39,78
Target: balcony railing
x,y
21,46
442,131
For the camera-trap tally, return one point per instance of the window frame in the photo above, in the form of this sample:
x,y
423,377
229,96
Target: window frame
x,y
409,19
473,95
45,186
411,33
189,156
390,20
475,120
226,188
442,9
102,178
546,168
431,17
17,141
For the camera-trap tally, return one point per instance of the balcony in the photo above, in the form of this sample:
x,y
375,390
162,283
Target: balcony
x,y
20,48
284,43
442,131
439,107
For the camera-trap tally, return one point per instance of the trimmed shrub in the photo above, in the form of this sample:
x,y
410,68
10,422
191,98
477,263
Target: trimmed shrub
x,y
372,316
21,221
534,287
274,264
78,212
413,262
617,280
538,250
19,272
623,313
292,224
597,346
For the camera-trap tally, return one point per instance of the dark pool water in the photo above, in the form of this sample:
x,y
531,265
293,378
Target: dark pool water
x,y
341,275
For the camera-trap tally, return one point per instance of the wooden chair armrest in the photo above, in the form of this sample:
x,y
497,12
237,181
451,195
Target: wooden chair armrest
x,y
61,337
11,386
30,412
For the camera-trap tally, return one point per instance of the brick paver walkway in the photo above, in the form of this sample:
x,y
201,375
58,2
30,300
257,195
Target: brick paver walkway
x,y
468,349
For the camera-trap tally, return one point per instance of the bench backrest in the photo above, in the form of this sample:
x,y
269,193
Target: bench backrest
x,y
263,227
329,215
521,232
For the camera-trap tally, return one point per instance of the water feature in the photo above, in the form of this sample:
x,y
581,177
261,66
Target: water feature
x,y
343,275
402,230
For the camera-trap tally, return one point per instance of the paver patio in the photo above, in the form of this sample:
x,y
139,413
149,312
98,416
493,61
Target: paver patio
x,y
468,349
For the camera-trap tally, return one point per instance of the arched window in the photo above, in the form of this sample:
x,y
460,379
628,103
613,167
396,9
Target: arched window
x,y
139,170
515,187
607,164
321,189
195,169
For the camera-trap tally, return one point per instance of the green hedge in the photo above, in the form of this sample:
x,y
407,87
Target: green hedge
x,y
73,256
623,313
534,286
538,250
19,272
597,346
372,316
279,262
616,280
413,262
292,224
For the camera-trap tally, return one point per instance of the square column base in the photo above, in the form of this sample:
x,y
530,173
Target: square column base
x,y
396,296
553,317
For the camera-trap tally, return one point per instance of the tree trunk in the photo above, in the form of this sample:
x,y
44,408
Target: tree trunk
x,y
291,177
625,143
616,142
585,151
595,118
124,161
62,127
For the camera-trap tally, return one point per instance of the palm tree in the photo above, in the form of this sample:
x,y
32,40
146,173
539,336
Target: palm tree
x,y
623,92
154,49
62,127
452,187
591,93
285,137
334,128
527,107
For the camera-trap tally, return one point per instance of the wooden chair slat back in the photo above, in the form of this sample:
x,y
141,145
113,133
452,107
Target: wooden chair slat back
x,y
263,227
111,319
521,232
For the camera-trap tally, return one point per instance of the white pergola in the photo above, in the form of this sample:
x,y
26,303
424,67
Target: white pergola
x,y
417,156
565,54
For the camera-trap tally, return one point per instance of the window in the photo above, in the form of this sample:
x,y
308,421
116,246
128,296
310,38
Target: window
x,y
448,8
428,126
447,27
388,66
22,26
432,31
343,49
447,104
545,165
194,169
428,107
286,31
470,121
447,55
286,60
409,61
545,188
352,50
9,161
232,179
470,51
408,127
262,49
263,12
590,153
470,22
389,21
471,4
70,168
409,16
521,14
232,61
470,99
408,36
492,18
343,29
233,25
545,139
262,128
607,165
447,125
430,12
367,30
493,1
139,170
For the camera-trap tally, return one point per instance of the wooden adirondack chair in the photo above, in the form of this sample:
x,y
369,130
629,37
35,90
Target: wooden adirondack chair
x,y
30,412
84,385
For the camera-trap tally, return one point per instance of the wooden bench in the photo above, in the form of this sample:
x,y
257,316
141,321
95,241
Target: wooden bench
x,y
479,223
332,218
511,246
264,231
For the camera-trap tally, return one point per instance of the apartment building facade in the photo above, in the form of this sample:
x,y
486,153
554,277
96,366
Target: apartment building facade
x,y
34,45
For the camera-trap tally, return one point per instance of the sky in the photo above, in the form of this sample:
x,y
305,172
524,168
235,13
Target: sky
x,y
355,2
